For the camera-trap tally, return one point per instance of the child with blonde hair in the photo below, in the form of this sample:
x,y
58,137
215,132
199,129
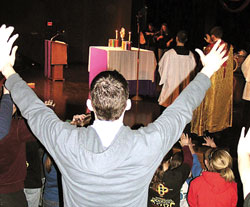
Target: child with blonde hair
x,y
215,187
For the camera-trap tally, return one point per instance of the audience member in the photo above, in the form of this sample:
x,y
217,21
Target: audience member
x,y
5,113
52,186
13,162
175,172
33,180
195,172
175,68
244,164
107,163
215,187
211,145
215,112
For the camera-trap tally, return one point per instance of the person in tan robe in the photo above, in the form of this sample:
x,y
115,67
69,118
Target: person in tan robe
x,y
245,67
246,72
215,112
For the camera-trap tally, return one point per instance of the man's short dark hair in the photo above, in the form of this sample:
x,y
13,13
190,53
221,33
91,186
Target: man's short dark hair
x,y
109,93
217,32
182,36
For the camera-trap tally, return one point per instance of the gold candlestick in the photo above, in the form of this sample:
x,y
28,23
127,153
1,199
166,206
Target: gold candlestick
x,y
129,36
116,34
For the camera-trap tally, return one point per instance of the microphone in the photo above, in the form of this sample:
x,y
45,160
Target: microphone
x,y
57,34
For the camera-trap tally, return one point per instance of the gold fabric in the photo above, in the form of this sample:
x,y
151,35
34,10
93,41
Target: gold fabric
x,y
215,112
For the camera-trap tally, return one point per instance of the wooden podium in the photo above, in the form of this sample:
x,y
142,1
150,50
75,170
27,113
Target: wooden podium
x,y
55,59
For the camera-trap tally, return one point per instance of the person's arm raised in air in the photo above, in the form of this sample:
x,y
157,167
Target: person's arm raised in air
x,y
6,108
44,123
187,154
171,123
244,160
196,168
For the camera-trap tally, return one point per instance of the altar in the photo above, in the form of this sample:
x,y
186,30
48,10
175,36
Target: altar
x,y
125,61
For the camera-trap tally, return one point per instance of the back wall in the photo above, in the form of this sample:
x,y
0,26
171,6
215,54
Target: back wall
x,y
86,23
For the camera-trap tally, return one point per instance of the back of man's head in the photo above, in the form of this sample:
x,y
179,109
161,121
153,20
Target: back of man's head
x,y
217,32
109,93
182,36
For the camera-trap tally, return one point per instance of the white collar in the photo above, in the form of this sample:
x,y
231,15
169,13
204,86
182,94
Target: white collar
x,y
107,130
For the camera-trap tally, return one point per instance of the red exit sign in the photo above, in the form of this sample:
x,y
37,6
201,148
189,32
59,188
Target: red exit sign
x,y
49,24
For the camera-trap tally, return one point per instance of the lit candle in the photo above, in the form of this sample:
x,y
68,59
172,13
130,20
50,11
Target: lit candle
x,y
129,36
116,34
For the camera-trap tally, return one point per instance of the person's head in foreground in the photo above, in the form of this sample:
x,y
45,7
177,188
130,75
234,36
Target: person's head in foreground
x,y
109,96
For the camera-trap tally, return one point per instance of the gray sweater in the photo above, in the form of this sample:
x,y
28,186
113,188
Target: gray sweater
x,y
119,175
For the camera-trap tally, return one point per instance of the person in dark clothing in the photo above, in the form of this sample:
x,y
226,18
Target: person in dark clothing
x,y
163,40
175,172
13,166
150,38
33,180
5,113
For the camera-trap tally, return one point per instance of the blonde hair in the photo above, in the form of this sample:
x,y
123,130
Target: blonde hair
x,y
220,161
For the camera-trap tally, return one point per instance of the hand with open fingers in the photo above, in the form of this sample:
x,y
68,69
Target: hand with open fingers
x,y
208,38
7,53
184,140
209,142
244,142
50,103
214,59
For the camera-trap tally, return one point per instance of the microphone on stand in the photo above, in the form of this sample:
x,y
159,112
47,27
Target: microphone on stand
x,y
57,34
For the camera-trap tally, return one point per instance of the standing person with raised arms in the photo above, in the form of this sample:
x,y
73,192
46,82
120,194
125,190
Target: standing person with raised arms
x,y
107,163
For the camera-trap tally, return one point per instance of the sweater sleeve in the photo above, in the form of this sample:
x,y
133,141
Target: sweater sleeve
x,y
187,156
196,169
43,122
173,120
6,108
187,164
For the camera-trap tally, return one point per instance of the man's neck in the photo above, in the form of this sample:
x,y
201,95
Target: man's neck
x,y
107,130
179,44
